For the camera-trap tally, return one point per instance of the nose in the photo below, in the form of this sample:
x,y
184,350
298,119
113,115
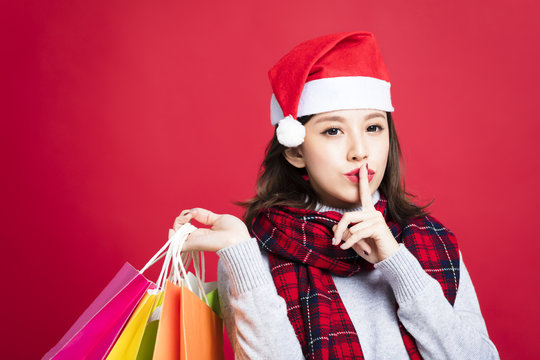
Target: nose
x,y
357,150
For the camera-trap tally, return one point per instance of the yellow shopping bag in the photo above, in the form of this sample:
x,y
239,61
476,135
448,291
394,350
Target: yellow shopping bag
x,y
127,345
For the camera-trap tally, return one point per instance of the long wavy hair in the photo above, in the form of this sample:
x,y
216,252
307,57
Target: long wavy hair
x,y
280,183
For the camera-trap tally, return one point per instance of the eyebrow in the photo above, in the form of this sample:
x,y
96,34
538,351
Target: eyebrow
x,y
341,119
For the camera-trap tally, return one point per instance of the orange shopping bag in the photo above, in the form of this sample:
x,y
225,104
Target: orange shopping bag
x,y
167,340
188,328
201,329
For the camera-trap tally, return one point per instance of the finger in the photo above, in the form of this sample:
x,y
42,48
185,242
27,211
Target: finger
x,y
362,248
184,212
356,237
350,217
365,192
346,234
184,218
363,225
201,240
204,216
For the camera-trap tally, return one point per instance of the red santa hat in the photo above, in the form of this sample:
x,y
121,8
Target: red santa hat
x,y
333,72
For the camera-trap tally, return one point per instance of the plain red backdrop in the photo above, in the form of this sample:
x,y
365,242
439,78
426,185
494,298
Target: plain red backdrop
x,y
117,115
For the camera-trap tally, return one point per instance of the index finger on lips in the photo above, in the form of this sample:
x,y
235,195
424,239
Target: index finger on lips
x,y
365,192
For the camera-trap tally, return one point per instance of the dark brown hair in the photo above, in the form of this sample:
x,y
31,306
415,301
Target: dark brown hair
x,y
280,183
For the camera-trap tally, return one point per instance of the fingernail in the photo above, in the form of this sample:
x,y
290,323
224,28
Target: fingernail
x,y
193,210
333,241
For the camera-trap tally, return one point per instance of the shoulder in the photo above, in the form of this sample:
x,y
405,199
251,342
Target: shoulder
x,y
427,223
428,232
436,249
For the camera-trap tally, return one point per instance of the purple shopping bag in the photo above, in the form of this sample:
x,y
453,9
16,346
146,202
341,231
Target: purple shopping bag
x,y
96,330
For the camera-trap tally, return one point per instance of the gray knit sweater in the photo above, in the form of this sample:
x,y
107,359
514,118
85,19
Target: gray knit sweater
x,y
256,316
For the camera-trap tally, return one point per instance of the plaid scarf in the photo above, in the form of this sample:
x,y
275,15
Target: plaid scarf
x,y
302,260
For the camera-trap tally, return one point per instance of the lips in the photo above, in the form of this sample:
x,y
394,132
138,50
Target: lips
x,y
354,175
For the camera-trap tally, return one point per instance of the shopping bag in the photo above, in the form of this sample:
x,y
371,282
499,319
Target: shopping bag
x,y
148,341
213,302
167,347
208,293
127,345
188,328
201,329
168,334
124,321
96,330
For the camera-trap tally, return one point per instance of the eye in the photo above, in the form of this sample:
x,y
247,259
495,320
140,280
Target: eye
x,y
332,131
374,128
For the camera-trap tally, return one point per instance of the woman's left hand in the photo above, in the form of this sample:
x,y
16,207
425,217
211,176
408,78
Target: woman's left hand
x,y
370,237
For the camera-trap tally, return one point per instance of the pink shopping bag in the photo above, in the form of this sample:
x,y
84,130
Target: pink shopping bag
x,y
96,330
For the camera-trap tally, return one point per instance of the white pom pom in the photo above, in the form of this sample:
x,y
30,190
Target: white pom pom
x,y
290,132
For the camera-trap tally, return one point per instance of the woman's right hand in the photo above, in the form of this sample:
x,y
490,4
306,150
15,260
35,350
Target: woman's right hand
x,y
225,230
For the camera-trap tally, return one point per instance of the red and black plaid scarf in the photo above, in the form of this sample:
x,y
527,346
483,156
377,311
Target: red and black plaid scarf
x,y
302,260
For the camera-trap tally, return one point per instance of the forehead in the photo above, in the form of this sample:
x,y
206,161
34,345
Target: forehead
x,y
356,115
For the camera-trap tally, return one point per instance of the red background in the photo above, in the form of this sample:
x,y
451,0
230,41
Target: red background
x,y
117,115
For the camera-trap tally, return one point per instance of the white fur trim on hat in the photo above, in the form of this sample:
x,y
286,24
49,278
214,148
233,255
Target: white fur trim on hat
x,y
339,93
276,113
290,132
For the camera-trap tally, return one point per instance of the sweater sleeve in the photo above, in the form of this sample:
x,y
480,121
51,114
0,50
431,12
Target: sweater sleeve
x,y
440,330
254,314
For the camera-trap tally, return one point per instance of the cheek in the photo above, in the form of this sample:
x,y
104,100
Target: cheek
x,y
321,159
383,147
380,154
383,165
384,154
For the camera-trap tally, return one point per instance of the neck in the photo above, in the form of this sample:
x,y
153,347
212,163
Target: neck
x,y
323,208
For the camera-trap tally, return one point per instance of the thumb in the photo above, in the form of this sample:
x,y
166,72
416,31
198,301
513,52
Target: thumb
x,y
171,233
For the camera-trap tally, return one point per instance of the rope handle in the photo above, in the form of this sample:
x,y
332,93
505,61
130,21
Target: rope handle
x,y
176,262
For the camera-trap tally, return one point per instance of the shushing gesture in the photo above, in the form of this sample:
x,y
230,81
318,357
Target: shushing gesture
x,y
370,237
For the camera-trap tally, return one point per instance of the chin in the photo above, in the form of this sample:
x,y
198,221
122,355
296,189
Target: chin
x,y
348,203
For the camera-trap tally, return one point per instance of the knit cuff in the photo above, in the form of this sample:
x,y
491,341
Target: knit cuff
x,y
244,265
404,273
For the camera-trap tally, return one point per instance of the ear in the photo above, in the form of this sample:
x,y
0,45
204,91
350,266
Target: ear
x,y
294,157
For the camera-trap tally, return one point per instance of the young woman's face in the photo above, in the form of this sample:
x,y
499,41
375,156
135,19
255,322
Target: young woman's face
x,y
338,143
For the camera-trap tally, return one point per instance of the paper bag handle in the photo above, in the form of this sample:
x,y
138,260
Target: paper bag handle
x,y
176,262
171,250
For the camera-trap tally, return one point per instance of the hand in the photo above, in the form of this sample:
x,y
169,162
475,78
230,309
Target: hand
x,y
370,237
226,230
